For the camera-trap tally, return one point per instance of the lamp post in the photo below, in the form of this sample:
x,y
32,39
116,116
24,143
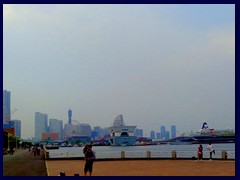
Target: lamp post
x,y
8,142
16,142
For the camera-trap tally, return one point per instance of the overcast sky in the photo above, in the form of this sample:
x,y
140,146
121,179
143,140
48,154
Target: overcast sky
x,y
154,64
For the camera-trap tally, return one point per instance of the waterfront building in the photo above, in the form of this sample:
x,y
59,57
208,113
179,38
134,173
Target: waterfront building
x,y
138,132
50,136
167,135
69,130
41,125
16,124
121,135
158,135
83,130
98,130
173,131
69,116
163,131
6,106
152,135
56,126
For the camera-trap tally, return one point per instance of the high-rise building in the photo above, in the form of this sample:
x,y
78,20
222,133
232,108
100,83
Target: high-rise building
x,y
152,135
158,135
41,125
17,127
167,135
173,131
6,106
83,130
138,132
163,131
69,116
56,126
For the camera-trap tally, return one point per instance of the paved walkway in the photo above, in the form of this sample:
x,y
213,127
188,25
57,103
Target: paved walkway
x,y
145,167
23,163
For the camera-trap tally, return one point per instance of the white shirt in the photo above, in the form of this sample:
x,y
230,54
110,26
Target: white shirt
x,y
210,148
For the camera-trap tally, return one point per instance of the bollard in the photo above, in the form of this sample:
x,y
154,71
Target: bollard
x,y
62,173
122,154
47,155
148,154
174,154
224,154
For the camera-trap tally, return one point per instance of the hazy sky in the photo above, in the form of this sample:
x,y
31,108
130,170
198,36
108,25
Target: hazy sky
x,y
155,64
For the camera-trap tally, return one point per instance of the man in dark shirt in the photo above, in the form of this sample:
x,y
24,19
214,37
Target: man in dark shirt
x,y
89,158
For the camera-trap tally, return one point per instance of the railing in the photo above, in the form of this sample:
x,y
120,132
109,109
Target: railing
x,y
140,154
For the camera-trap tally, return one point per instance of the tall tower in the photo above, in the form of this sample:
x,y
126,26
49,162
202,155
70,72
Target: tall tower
x,y
6,106
69,116
41,125
173,131
163,131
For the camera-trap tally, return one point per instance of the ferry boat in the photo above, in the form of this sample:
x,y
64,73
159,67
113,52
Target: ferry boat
x,y
205,136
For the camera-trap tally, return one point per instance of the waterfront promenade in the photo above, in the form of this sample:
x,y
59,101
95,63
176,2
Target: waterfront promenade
x,y
23,163
144,167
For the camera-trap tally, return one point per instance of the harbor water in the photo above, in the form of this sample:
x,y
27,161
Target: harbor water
x,y
158,151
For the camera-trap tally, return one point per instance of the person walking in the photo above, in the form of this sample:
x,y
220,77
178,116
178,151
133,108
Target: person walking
x,y
89,157
200,152
211,150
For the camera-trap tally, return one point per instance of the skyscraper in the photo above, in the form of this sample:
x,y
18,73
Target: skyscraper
x,y
41,122
173,131
6,106
69,116
152,135
17,127
163,131
56,126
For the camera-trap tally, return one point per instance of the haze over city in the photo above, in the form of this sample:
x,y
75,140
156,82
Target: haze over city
x,y
154,64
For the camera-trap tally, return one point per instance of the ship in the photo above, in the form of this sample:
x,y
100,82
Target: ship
x,y
204,136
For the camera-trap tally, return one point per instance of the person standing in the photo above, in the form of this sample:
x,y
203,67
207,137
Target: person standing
x,y
211,150
89,158
200,152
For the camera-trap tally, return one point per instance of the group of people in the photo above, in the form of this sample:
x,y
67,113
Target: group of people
x,y
210,148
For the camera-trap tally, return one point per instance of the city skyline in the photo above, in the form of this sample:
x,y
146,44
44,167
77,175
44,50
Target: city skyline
x,y
158,64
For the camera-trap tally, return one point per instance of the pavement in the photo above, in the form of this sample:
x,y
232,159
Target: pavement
x,y
23,163
144,167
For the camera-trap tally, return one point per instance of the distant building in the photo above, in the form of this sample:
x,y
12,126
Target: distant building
x,y
121,135
41,125
6,106
69,116
50,136
158,135
83,130
173,131
167,135
152,135
56,126
138,132
17,127
69,130
163,131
